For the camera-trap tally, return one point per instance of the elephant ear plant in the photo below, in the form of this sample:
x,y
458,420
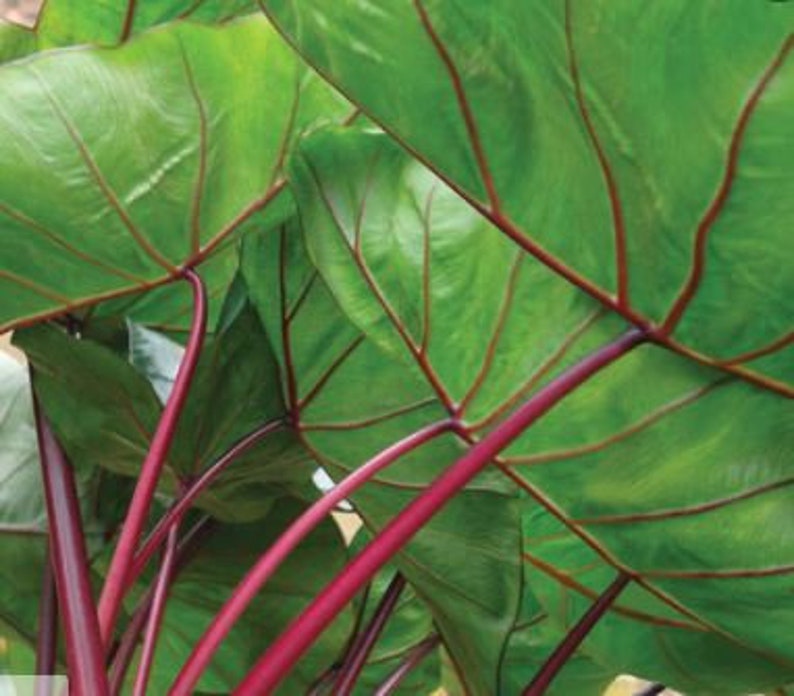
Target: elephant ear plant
x,y
513,281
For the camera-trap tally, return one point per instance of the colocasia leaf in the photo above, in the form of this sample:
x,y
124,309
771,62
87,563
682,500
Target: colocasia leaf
x,y
675,473
122,166
642,151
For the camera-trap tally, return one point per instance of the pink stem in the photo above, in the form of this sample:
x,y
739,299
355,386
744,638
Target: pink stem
x,y
250,585
576,635
69,560
134,629
181,506
279,658
419,653
361,649
156,612
116,580
47,640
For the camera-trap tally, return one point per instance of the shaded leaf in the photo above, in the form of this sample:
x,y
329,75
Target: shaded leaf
x,y
105,412
409,624
206,582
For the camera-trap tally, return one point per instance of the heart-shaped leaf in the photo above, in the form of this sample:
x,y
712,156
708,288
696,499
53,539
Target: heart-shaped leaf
x,y
351,399
669,471
146,159
644,153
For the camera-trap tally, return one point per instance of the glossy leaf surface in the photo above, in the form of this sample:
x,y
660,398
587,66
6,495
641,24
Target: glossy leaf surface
x,y
353,399
146,158
644,153
670,471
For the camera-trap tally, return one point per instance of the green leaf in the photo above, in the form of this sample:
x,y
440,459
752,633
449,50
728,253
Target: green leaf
x,y
409,624
671,471
104,411
63,23
352,399
658,179
532,641
15,41
204,585
23,523
146,158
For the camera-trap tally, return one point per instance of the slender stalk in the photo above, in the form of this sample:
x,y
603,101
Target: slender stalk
x,y
134,629
186,499
155,613
267,565
129,643
357,657
576,635
651,690
47,641
328,677
69,560
118,572
276,662
415,657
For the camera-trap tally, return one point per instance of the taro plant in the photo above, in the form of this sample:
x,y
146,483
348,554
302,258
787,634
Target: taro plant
x,y
513,281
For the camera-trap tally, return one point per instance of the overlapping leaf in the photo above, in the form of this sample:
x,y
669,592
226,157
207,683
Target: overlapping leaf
x,y
352,399
146,159
205,583
105,411
644,152
407,627
675,473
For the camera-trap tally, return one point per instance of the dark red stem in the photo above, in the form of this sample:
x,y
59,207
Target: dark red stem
x,y
267,565
652,690
121,563
156,611
186,499
419,653
276,662
365,641
84,655
47,641
576,635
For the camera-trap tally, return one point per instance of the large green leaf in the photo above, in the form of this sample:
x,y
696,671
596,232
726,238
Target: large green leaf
x,y
642,150
105,410
204,585
353,399
146,158
671,471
